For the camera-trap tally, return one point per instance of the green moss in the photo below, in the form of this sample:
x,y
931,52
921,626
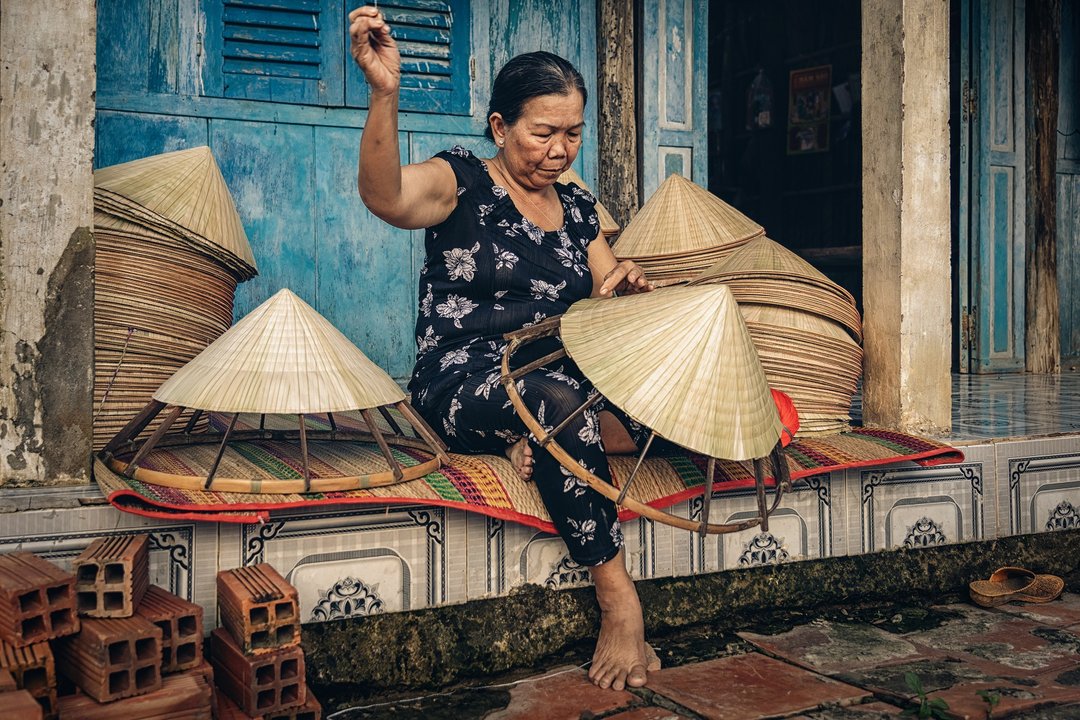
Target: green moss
x,y
688,618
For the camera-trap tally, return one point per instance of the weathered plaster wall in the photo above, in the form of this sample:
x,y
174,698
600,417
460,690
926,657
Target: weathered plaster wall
x,y
47,78
906,230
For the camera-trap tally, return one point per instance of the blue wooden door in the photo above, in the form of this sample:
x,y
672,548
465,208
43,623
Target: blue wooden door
x,y
1068,184
269,86
674,94
996,230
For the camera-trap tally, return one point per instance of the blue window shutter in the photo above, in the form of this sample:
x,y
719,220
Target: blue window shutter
x,y
289,51
433,38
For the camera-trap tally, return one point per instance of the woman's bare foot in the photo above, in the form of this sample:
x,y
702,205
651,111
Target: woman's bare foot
x,y
622,657
652,660
520,455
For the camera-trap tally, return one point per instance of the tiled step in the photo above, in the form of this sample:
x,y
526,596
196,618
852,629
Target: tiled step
x,y
112,575
37,600
113,658
34,671
181,624
180,697
259,608
21,705
260,684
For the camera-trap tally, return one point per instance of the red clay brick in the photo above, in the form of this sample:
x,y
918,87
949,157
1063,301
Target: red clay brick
x,y
310,710
34,671
113,658
259,608
37,600
205,671
180,697
21,705
112,575
7,682
259,684
181,624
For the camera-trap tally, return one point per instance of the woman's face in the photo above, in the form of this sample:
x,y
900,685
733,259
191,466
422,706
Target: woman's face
x,y
544,141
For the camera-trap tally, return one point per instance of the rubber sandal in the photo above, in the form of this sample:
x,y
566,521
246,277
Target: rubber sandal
x,y
1002,587
1046,588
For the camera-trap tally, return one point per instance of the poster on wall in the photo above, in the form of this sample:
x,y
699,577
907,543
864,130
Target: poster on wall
x,y
809,104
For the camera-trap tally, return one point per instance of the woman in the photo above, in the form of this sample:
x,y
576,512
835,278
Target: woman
x,y
506,247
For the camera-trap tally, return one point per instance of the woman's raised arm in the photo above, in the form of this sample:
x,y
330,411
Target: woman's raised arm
x,y
414,196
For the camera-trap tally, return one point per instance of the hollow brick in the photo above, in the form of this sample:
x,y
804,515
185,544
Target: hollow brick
x,y
34,670
113,658
181,624
180,697
260,684
37,600
259,608
112,575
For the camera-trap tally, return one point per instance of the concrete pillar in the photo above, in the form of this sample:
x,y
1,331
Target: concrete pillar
x,y
906,210
47,79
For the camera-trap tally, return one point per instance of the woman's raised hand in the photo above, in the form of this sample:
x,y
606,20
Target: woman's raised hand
x,y
374,50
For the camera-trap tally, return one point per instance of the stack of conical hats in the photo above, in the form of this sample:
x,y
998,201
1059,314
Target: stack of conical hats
x,y
608,226
805,327
681,231
170,251
680,361
282,358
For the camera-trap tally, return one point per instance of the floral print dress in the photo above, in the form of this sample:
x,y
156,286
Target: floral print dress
x,y
489,271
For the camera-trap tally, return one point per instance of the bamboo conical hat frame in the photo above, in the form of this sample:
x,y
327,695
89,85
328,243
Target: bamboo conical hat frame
x,y
182,191
682,218
681,362
608,226
281,358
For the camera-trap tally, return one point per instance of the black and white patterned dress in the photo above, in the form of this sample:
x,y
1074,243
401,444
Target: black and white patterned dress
x,y
489,271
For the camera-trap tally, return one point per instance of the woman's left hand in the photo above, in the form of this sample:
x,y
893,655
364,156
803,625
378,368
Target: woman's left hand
x,y
626,278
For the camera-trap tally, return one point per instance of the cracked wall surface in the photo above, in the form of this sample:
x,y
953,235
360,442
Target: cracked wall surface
x,y
47,80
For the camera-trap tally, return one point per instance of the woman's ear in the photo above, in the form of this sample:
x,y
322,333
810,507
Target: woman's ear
x,y
498,128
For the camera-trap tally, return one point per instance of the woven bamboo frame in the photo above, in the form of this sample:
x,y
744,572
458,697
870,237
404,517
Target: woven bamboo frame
x,y
424,439
550,327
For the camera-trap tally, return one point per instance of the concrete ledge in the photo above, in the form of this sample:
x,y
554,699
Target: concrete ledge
x,y
435,647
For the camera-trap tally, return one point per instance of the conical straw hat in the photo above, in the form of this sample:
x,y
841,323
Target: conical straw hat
x,y
608,226
680,361
764,255
682,218
184,187
282,357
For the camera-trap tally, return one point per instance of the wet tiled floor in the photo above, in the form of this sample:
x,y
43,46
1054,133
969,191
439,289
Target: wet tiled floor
x,y
1009,405
1014,661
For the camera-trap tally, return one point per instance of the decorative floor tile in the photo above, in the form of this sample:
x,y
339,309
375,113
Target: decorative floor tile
x,y
358,561
647,713
829,647
753,686
862,711
1039,484
566,696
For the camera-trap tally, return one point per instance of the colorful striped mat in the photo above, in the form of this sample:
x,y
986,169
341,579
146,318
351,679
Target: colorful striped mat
x,y
488,484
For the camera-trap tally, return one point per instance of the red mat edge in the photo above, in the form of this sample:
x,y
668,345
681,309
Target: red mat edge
x,y
927,458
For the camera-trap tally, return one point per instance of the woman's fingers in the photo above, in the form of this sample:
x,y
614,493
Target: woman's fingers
x,y
626,277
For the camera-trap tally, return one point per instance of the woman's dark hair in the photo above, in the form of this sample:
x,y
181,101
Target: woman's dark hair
x,y
531,75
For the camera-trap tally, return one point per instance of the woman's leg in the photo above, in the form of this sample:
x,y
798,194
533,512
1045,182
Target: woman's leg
x,y
483,421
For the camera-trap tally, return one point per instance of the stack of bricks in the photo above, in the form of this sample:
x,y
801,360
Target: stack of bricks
x,y
256,654
37,604
117,642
